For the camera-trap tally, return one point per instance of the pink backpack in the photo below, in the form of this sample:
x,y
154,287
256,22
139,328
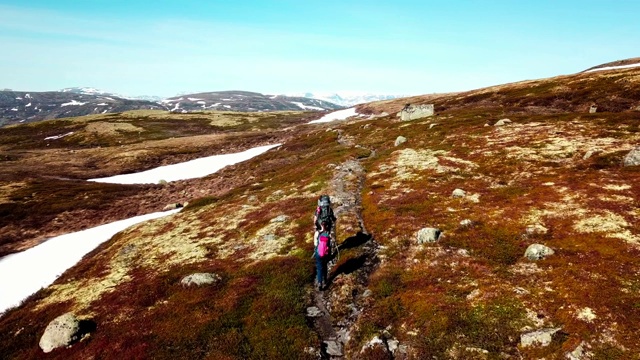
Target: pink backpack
x,y
323,244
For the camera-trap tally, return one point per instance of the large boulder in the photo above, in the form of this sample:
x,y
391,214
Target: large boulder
x,y
632,158
428,235
412,112
62,331
538,252
199,279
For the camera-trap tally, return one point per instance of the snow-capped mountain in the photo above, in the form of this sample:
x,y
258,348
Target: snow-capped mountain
x,y
23,107
348,99
244,101
94,91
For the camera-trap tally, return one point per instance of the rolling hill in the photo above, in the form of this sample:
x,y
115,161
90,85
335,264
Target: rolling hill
x,y
496,172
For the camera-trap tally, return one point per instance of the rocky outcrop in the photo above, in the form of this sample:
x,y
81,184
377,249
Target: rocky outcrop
x,y
632,158
536,229
428,235
538,252
199,279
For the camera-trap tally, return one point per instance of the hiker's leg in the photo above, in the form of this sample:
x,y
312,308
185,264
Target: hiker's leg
x,y
319,270
315,236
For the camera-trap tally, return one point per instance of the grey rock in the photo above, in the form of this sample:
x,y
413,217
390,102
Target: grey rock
x,y
578,353
400,140
172,207
280,218
413,112
540,337
62,331
428,235
432,125
502,122
367,293
393,344
313,311
536,229
466,223
458,193
200,279
632,158
334,348
590,153
593,109
538,252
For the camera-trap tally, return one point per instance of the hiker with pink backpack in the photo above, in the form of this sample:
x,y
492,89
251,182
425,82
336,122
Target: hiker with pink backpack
x,y
324,221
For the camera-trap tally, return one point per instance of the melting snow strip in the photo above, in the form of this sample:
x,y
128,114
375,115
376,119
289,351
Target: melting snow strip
x,y
336,115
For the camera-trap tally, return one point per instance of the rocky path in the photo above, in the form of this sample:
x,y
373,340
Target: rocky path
x,y
336,309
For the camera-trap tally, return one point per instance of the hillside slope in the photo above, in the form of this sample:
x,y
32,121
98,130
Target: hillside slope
x,y
553,176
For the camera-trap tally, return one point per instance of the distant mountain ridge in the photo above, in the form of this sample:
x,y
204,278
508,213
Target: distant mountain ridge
x,y
24,107
244,101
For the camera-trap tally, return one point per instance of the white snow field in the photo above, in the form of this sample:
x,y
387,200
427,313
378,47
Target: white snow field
x,y
186,170
24,273
336,115
615,67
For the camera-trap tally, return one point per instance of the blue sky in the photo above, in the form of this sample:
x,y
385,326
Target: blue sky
x,y
389,47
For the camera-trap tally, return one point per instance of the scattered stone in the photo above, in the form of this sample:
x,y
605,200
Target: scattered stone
x,y
578,353
538,252
400,140
590,153
593,109
62,331
632,158
367,293
586,315
313,312
428,235
162,182
463,252
280,219
334,348
458,193
376,341
502,122
540,337
432,125
392,345
199,279
536,229
172,207
466,223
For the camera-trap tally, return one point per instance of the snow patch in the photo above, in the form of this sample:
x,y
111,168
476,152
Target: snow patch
x,y
58,136
336,115
194,99
186,170
201,102
20,277
18,98
14,109
103,104
614,67
73,103
227,106
306,107
28,96
29,104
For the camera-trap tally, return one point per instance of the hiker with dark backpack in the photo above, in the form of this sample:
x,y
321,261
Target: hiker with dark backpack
x,y
324,222
324,212
322,253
